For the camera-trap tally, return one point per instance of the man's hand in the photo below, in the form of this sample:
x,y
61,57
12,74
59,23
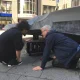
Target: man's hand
x,y
37,68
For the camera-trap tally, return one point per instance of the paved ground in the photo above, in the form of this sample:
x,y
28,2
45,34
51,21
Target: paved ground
x,y
25,72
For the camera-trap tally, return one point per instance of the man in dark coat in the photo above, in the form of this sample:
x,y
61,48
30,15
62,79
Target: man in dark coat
x,y
11,44
64,48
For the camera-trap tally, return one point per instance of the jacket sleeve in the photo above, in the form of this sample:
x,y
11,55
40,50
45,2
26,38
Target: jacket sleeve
x,y
47,50
18,42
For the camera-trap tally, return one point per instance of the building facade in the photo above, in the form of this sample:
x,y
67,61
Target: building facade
x,y
63,4
27,9
46,7
75,3
5,12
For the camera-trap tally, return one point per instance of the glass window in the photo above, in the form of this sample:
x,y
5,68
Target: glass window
x,y
18,7
75,3
34,7
7,6
44,9
29,6
48,9
26,6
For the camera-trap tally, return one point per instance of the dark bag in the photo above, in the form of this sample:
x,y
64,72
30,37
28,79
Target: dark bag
x,y
35,47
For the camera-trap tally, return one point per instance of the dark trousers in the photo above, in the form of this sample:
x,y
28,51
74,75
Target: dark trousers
x,y
72,64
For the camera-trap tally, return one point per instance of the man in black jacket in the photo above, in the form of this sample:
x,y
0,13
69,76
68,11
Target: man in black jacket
x,y
64,48
11,44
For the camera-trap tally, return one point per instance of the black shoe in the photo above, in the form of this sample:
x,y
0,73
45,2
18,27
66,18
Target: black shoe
x,y
14,62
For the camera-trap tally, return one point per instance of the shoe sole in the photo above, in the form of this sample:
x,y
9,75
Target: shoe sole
x,y
20,63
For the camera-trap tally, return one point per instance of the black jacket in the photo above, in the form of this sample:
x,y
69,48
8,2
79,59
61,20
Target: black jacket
x,y
10,41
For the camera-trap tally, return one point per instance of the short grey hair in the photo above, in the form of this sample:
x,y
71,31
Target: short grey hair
x,y
46,27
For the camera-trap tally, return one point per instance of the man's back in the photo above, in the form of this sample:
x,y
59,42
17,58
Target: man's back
x,y
10,41
62,46
8,36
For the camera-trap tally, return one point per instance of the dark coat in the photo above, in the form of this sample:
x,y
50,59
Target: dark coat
x,y
10,41
63,47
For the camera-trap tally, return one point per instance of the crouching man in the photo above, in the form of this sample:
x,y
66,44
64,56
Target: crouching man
x,y
64,48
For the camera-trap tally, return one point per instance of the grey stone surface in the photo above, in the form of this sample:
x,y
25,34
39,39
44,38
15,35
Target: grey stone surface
x,y
4,68
25,72
72,27
6,76
30,78
60,74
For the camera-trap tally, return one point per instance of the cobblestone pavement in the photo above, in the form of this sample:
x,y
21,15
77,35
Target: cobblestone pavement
x,y
25,72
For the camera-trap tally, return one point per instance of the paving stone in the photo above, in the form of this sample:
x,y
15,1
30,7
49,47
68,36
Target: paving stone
x,y
5,76
18,69
30,72
37,63
25,70
59,74
28,59
4,68
30,78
